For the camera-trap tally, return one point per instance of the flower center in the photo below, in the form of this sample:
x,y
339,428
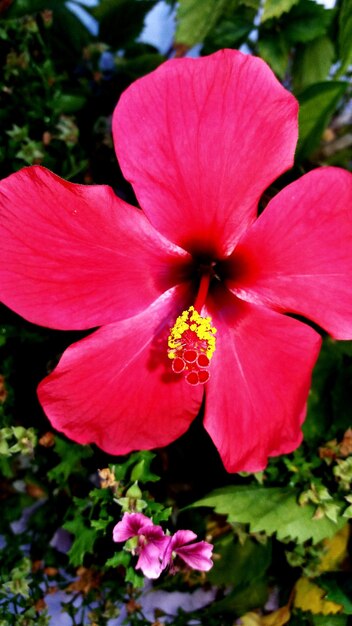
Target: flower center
x,y
191,343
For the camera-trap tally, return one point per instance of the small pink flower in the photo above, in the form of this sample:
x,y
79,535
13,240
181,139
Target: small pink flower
x,y
151,543
195,555
130,525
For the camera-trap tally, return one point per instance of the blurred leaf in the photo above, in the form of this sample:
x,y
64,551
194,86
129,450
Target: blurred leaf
x,y
312,62
307,21
345,35
275,52
239,563
83,542
71,455
251,4
121,21
28,7
140,65
141,471
335,550
329,620
228,34
317,104
310,597
319,416
338,588
242,599
102,523
277,618
273,510
69,102
120,558
233,28
196,18
275,8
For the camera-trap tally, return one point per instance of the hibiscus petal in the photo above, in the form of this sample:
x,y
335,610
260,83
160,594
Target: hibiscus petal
x,y
129,526
297,257
259,383
75,256
116,388
200,140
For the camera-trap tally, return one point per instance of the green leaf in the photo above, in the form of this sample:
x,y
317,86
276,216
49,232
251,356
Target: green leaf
x,y
242,599
69,103
312,62
273,510
141,471
101,524
229,33
307,21
196,18
328,620
338,586
275,8
71,455
275,52
83,542
317,104
121,21
239,563
119,558
135,579
251,4
345,35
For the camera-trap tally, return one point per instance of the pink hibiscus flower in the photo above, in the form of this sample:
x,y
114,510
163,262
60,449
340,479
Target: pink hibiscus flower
x,y
151,542
199,140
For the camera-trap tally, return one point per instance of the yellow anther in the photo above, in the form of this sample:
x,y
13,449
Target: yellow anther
x,y
198,335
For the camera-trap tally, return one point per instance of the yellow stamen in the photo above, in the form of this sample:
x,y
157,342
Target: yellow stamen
x,y
191,345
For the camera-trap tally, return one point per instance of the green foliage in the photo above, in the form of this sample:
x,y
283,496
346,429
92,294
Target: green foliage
x,y
196,18
345,35
239,562
317,104
71,456
338,587
84,540
273,510
121,20
241,599
17,439
275,51
44,132
233,26
312,62
306,21
275,8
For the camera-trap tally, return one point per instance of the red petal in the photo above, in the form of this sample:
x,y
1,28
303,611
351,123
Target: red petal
x,y
200,140
260,376
116,388
297,257
75,256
